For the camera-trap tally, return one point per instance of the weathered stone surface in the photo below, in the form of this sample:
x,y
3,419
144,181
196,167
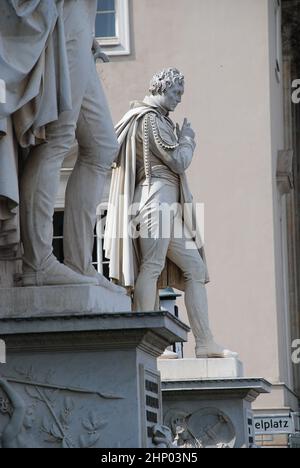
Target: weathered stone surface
x,y
191,369
57,300
84,380
212,412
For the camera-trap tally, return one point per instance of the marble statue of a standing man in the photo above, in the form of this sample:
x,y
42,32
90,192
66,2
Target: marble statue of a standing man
x,y
154,155
53,96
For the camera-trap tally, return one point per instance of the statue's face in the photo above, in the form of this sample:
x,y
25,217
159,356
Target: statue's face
x,y
172,97
29,419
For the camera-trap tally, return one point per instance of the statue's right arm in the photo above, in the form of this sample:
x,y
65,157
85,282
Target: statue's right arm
x,y
14,427
176,154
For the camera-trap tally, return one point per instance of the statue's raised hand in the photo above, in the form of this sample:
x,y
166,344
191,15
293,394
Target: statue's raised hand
x,y
186,130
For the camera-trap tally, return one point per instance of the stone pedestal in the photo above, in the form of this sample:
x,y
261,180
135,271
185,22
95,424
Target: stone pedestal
x,y
189,369
83,380
60,300
207,402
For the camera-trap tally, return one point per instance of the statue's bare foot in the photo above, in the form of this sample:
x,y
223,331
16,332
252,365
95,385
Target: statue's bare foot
x,y
102,281
54,274
169,355
212,350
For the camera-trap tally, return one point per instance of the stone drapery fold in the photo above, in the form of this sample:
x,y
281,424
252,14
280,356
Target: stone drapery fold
x,y
32,47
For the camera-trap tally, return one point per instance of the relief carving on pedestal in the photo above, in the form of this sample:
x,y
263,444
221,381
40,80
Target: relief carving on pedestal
x,y
204,428
38,414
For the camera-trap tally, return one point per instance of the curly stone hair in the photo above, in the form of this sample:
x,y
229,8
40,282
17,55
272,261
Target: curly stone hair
x,y
164,79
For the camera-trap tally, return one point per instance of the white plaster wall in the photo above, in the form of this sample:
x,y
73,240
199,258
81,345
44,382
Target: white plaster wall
x,y
280,221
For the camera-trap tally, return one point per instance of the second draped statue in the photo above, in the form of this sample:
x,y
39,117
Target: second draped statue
x,y
150,194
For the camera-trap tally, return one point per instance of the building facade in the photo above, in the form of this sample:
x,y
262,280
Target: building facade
x,y
241,64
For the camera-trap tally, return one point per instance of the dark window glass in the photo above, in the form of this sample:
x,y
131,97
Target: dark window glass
x,y
106,19
58,245
106,5
58,229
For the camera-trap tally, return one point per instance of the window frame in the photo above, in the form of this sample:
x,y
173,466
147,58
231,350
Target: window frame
x,y
100,262
99,237
119,45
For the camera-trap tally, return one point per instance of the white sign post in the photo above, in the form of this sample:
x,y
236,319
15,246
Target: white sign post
x,y
276,424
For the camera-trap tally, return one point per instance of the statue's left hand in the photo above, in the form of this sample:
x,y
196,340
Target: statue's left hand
x,y
185,131
98,52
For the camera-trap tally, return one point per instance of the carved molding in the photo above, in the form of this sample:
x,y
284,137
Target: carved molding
x,y
149,342
83,341
153,344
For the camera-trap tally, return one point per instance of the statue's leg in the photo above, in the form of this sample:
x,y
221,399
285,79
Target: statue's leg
x,y
193,268
153,240
98,148
184,253
40,180
39,186
153,254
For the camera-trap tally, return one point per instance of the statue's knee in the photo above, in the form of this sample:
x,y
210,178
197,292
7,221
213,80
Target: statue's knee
x,y
116,148
99,156
112,154
196,272
62,132
152,270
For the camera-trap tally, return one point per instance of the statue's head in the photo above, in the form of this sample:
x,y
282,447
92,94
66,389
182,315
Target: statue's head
x,y
167,87
178,421
29,418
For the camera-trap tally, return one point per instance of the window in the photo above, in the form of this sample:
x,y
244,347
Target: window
x,y
99,261
106,19
112,26
58,227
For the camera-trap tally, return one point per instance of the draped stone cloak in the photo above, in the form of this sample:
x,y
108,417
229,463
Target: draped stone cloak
x,y
34,68
120,248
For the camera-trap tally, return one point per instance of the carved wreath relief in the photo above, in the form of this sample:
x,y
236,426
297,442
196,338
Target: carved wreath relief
x,y
205,428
